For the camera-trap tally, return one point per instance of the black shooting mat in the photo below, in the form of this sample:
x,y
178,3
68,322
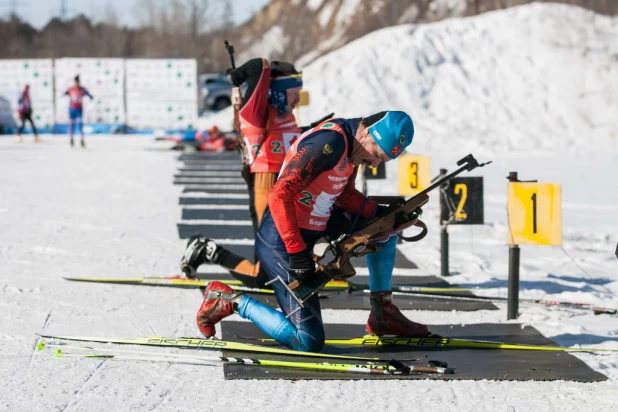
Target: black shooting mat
x,y
211,168
209,156
215,189
469,364
218,214
213,163
187,200
333,299
216,231
211,180
209,174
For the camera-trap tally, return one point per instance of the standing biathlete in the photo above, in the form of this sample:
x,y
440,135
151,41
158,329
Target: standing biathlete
x,y
315,186
76,95
24,109
267,124
271,91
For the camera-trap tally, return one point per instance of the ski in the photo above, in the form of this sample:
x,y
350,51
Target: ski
x,y
203,343
435,341
391,368
363,287
183,282
399,291
178,282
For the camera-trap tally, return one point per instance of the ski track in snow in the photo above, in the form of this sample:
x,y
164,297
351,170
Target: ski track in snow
x,y
111,210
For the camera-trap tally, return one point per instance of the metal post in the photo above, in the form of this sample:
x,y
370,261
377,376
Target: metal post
x,y
513,297
444,250
443,239
514,255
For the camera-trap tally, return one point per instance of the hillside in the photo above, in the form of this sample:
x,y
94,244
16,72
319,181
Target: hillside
x,y
302,30
535,76
539,76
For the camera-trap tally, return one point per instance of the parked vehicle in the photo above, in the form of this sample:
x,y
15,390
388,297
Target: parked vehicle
x,y
215,91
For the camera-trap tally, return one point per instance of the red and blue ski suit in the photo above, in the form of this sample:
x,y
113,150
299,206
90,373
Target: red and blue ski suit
x,y
314,191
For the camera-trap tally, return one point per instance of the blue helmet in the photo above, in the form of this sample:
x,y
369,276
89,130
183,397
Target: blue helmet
x,y
393,133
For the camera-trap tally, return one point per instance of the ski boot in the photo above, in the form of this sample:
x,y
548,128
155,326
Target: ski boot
x,y
72,142
83,143
386,319
199,250
220,301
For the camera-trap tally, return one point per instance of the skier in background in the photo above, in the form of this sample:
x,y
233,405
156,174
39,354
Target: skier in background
x,y
311,198
270,91
25,113
76,95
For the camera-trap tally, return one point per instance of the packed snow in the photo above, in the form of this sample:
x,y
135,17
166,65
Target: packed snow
x,y
538,76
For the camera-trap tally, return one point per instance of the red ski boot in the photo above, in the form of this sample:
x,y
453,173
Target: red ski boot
x,y
386,319
218,303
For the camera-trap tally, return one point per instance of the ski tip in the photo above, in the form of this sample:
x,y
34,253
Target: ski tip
x,y
75,279
58,353
40,346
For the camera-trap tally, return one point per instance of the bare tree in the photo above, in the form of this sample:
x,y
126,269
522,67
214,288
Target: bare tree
x,y
197,17
227,15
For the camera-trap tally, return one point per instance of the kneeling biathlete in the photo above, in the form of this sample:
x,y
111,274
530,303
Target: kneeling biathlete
x,y
314,192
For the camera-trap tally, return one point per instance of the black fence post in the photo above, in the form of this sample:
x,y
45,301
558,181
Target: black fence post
x,y
444,251
514,255
443,238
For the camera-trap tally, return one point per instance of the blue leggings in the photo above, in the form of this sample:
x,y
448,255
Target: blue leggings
x,y
75,118
304,331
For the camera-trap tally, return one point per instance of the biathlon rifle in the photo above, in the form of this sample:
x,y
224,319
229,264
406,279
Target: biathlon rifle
x,y
236,101
364,241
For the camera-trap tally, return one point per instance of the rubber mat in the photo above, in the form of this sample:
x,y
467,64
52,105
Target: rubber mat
x,y
210,174
211,162
220,214
216,231
186,200
469,364
215,189
209,181
360,300
201,168
207,156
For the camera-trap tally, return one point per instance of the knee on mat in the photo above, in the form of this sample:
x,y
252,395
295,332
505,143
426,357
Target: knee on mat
x,y
309,345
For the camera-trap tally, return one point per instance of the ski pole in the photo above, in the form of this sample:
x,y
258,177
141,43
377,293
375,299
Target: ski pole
x,y
497,299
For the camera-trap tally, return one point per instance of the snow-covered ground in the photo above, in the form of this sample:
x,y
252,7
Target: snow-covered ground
x,y
111,210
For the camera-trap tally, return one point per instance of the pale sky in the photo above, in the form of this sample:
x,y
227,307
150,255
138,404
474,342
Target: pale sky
x,y
38,12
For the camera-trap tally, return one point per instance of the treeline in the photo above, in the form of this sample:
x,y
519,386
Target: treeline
x,y
191,28
169,29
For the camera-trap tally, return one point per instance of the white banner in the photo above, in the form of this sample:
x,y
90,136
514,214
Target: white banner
x,y
161,93
14,76
103,78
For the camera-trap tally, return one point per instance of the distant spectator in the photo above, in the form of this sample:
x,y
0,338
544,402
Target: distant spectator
x,y
25,113
76,95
